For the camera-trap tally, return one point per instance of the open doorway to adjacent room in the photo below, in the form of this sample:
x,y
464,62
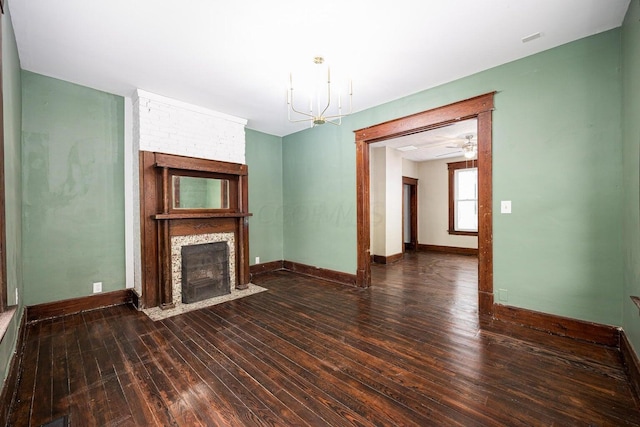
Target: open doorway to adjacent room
x,y
415,204
478,109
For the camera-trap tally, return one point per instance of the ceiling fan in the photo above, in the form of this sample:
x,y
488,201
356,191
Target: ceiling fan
x,y
468,148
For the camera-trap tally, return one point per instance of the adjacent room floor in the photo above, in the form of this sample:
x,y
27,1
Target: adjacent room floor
x,y
408,351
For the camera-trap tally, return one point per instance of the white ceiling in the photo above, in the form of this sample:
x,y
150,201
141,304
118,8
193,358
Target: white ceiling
x,y
435,144
235,56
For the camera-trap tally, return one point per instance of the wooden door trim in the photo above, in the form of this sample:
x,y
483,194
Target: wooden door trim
x,y
479,107
3,228
409,180
413,211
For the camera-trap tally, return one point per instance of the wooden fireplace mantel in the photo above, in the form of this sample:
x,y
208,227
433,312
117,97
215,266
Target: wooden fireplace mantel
x,y
159,222
200,216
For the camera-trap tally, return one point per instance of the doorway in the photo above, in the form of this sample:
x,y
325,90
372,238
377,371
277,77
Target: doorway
x,y
480,107
409,214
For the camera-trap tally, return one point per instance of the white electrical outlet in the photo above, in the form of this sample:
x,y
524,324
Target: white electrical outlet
x,y
16,296
97,287
257,260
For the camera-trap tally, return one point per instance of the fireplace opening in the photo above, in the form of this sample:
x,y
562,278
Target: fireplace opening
x,y
205,271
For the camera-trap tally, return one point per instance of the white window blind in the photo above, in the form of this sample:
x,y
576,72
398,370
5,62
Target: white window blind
x,y
466,199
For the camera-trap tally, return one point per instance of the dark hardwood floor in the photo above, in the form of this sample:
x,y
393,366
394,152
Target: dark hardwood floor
x,y
408,351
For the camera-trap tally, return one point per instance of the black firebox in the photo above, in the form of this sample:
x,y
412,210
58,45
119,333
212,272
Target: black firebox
x,y
205,271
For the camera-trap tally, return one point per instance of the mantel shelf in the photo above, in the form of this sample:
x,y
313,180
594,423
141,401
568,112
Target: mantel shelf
x,y
200,215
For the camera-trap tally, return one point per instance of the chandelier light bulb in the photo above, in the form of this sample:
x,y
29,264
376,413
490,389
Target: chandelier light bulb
x,y
322,113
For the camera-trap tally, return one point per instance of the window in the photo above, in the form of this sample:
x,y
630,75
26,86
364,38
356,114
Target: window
x,y
463,198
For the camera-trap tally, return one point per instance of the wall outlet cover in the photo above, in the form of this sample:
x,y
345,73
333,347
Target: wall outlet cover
x,y
257,260
97,287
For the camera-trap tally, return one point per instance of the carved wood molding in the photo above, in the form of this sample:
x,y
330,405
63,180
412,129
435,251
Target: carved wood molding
x,y
54,309
631,363
320,273
266,267
3,226
559,325
448,249
10,386
172,161
160,222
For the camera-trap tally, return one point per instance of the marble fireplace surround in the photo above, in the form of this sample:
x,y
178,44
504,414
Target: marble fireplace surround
x,y
177,242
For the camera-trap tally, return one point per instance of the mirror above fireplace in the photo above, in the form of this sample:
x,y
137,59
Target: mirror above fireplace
x,y
192,192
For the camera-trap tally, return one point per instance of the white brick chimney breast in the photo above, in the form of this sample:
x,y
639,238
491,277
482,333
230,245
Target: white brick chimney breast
x,y
164,125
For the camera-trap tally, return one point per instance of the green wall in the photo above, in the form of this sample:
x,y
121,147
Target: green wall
x,y
562,136
12,115
631,166
319,197
557,157
264,159
73,189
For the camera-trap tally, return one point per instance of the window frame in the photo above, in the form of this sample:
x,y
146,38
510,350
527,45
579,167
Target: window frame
x,y
452,167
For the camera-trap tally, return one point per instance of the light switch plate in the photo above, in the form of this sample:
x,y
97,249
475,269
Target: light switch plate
x,y
505,206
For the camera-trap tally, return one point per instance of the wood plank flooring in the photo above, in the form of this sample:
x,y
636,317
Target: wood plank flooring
x,y
409,351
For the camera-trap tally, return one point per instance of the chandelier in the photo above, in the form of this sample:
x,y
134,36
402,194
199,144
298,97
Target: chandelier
x,y
320,110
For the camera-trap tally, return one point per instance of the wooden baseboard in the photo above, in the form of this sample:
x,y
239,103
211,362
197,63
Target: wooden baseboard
x,y
321,273
448,249
381,259
136,300
76,305
10,386
266,267
631,364
558,325
485,303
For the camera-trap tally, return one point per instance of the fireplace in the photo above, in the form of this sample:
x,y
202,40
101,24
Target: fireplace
x,y
200,241
205,271
173,218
